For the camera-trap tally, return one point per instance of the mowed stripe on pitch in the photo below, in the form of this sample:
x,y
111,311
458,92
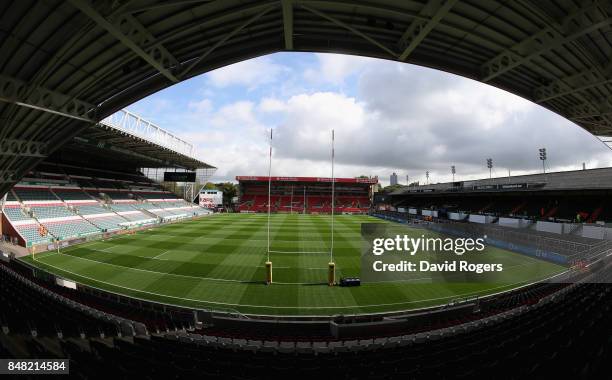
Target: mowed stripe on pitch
x,y
219,260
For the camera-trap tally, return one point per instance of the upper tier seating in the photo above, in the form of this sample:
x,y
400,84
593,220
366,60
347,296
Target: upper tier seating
x,y
71,195
48,212
120,207
108,223
156,195
144,206
92,209
100,183
10,197
34,194
117,195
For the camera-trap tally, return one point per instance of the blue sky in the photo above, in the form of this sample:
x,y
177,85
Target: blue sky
x,y
388,117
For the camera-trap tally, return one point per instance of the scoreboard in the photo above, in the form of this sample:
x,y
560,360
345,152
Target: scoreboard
x,y
211,198
179,176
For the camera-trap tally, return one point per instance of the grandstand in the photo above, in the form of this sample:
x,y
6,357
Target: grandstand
x,y
64,202
571,197
310,195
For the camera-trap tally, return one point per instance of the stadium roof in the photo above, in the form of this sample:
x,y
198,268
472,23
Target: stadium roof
x,y
592,179
66,65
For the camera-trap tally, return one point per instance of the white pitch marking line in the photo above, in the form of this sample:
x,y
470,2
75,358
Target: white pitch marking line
x,y
161,254
162,273
269,306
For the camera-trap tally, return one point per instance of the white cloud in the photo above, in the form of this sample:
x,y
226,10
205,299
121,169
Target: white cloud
x,y
402,118
235,115
271,105
336,68
250,74
203,106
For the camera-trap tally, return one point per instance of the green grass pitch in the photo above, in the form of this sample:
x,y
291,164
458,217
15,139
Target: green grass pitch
x,y
217,262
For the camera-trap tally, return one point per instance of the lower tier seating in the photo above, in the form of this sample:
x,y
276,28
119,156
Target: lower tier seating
x,y
32,234
71,229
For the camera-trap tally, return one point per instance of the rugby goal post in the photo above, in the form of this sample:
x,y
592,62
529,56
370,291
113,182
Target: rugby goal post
x,y
331,274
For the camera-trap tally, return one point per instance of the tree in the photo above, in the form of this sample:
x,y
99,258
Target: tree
x,y
229,190
390,189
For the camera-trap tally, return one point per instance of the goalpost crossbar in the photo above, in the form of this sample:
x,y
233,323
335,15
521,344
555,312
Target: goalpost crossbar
x,y
333,204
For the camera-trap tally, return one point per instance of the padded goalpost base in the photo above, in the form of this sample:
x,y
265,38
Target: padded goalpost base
x,y
268,272
331,274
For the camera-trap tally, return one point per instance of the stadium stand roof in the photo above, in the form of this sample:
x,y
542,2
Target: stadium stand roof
x,y
129,140
592,179
66,65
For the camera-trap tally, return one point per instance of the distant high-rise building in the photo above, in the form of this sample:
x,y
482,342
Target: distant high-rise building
x,y
407,179
393,179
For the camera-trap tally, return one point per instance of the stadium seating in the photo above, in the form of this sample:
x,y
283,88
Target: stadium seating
x,y
541,207
49,212
108,223
155,195
31,234
106,184
91,209
16,213
72,195
10,196
30,309
30,194
320,204
71,229
60,208
116,195
138,216
120,207
144,206
559,333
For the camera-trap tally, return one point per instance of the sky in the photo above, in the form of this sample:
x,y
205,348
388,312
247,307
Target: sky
x,y
387,116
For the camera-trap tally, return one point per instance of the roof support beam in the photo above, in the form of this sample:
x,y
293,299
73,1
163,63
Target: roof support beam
x,y
135,37
574,83
434,10
8,176
224,40
288,23
582,21
595,108
351,29
18,92
22,148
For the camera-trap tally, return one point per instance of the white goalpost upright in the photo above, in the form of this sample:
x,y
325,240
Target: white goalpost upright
x,y
331,273
331,250
269,191
268,262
